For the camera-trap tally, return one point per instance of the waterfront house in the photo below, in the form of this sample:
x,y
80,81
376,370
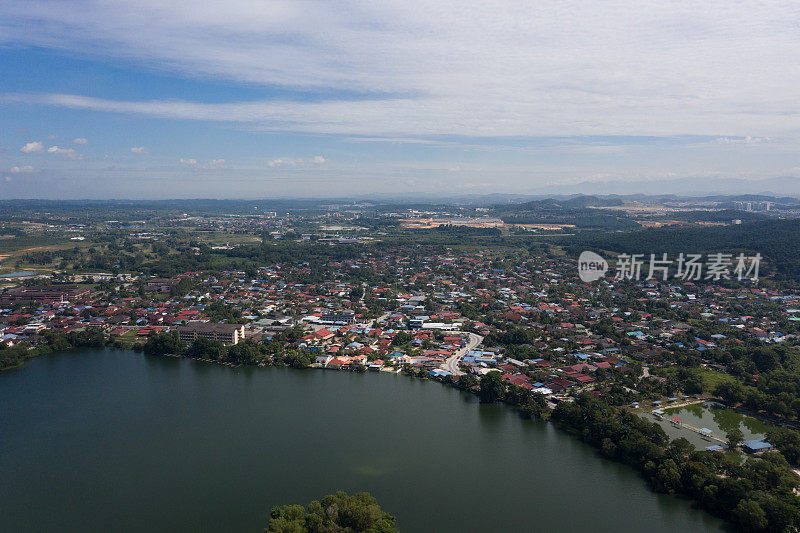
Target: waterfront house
x,y
757,446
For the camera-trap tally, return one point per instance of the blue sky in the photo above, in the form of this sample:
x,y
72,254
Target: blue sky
x,y
199,99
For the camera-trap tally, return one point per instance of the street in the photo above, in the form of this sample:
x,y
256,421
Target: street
x,y
451,365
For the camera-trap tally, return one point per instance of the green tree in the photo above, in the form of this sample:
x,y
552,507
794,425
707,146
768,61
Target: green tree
x,y
787,441
288,519
750,515
401,338
492,387
219,311
668,477
298,358
245,352
207,349
734,438
356,293
467,381
163,343
336,513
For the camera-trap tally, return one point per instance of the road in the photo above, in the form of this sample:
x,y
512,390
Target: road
x,y
451,365
376,321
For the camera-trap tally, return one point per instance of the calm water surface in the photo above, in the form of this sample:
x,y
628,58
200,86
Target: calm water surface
x,y
116,441
719,420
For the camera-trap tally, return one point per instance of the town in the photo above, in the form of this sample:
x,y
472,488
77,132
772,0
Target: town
x,y
709,362
446,316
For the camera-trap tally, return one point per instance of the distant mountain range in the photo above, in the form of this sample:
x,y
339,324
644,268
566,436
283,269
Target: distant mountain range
x,y
693,187
782,190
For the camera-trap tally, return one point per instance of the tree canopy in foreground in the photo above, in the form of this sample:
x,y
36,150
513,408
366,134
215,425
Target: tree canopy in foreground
x,y
338,512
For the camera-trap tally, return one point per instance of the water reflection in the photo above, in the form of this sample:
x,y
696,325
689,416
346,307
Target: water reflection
x,y
171,432
720,420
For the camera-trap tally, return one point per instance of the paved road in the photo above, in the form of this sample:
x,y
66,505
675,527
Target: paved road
x,y
380,320
375,321
451,365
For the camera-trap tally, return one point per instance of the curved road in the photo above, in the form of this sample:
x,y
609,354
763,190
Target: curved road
x,y
451,365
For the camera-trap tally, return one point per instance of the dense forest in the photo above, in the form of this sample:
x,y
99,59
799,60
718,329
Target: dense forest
x,y
575,211
776,240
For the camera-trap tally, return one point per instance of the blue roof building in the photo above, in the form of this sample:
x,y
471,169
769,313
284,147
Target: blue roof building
x,y
756,446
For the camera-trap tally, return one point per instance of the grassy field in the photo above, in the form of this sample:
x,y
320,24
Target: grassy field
x,y
12,260
711,378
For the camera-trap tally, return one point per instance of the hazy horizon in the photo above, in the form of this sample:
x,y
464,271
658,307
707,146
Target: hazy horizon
x,y
150,100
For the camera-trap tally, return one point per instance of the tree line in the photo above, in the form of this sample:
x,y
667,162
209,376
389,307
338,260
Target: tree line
x,y
14,356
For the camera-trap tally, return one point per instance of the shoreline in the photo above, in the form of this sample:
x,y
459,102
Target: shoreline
x,y
544,416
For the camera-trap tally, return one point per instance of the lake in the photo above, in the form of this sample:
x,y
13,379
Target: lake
x,y
118,441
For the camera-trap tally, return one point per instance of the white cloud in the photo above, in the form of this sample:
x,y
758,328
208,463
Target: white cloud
x,y
8,178
743,140
211,165
69,153
32,148
296,162
25,169
138,150
549,68
80,140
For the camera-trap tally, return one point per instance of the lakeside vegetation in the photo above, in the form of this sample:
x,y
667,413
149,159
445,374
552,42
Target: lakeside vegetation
x,y
757,495
14,356
335,513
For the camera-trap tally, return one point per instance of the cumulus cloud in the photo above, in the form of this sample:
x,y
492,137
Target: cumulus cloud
x,y
68,153
138,150
424,68
80,140
211,165
34,147
296,162
25,169
279,162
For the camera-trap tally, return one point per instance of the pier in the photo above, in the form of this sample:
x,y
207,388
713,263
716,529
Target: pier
x,y
680,424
